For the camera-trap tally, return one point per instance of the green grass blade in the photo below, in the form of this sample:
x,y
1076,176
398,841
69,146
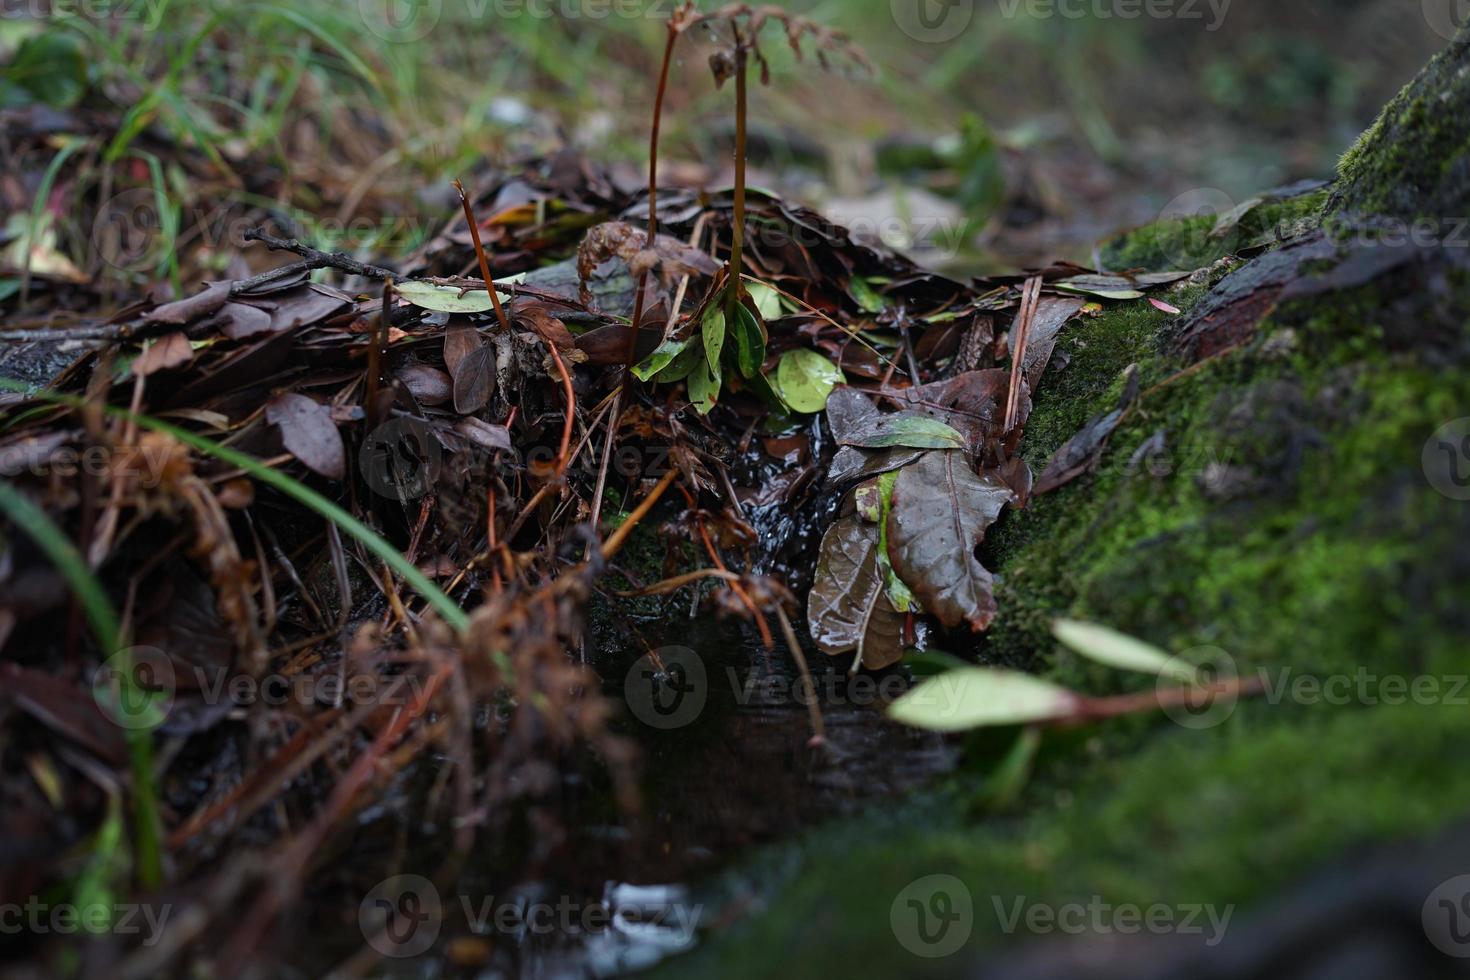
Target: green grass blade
x,y
57,547
417,580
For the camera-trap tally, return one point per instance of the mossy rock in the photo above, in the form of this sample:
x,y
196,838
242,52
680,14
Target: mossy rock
x,y
1414,162
1280,503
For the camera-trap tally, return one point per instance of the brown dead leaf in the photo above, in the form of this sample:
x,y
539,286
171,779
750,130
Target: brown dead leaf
x,y
169,351
308,433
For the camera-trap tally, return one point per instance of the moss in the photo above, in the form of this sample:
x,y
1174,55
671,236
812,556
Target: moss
x,y
1414,161
1192,243
1288,522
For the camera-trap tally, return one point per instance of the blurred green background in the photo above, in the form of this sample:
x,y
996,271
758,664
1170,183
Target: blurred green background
x,y
1040,126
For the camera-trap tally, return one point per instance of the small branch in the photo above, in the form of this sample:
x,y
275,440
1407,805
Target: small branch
x,y
315,259
469,217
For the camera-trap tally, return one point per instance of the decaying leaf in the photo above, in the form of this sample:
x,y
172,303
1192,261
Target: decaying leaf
x,y
1082,452
618,239
474,380
941,510
848,607
308,433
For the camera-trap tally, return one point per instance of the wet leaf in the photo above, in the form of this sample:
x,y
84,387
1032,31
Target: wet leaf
x,y
767,301
704,387
848,607
748,337
941,511
712,328
1120,651
911,430
474,380
866,297
850,463
982,697
308,433
447,299
659,359
805,378
683,363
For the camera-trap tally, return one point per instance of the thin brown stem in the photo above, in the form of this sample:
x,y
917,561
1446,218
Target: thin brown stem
x,y
737,234
469,216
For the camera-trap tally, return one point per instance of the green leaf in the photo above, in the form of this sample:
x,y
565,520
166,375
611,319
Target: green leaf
x,y
712,328
52,68
704,387
865,295
1120,651
659,359
768,393
447,299
683,363
899,593
768,302
913,430
749,338
982,697
805,378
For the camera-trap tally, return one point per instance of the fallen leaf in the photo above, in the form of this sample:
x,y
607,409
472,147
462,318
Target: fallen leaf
x,y
196,307
848,608
447,299
169,351
429,386
1159,304
941,511
474,380
911,430
805,379
308,433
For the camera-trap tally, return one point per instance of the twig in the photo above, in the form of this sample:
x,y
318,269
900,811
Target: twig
x,y
469,216
1030,300
619,537
315,259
